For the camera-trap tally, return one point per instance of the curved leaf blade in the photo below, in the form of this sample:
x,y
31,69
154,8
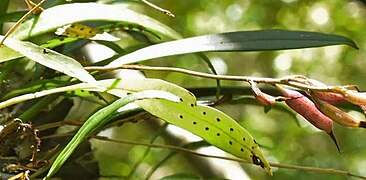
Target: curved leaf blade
x,y
99,118
50,59
210,124
262,40
47,21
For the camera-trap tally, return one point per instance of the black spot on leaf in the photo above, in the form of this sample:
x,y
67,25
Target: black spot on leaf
x,y
218,134
230,142
192,105
181,116
257,161
207,128
181,99
243,138
231,129
204,113
241,149
218,119
194,122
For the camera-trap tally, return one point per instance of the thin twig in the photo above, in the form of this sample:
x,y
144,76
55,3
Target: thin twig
x,y
285,166
158,8
21,20
321,170
287,80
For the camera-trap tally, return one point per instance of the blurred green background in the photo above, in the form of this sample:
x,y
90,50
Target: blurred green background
x,y
283,140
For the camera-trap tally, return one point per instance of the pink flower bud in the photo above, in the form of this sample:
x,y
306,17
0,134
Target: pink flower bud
x,y
306,108
330,97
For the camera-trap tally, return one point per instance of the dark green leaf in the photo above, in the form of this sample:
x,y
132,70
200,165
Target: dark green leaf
x,y
262,40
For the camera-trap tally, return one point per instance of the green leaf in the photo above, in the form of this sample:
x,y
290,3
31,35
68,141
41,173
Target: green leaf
x,y
7,54
262,40
59,16
50,59
212,125
99,118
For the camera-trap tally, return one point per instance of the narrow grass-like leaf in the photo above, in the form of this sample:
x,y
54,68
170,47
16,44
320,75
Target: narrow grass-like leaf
x,y
99,118
62,15
50,59
262,40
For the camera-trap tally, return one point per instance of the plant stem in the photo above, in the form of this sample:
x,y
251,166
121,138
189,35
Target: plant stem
x,y
287,80
158,8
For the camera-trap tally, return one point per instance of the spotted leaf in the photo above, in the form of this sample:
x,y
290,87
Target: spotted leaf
x,y
81,31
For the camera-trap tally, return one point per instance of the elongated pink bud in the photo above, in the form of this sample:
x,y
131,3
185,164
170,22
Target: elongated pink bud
x,y
329,97
338,115
306,108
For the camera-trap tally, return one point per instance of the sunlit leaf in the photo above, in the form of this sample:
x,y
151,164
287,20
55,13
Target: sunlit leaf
x,y
50,59
58,16
262,40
